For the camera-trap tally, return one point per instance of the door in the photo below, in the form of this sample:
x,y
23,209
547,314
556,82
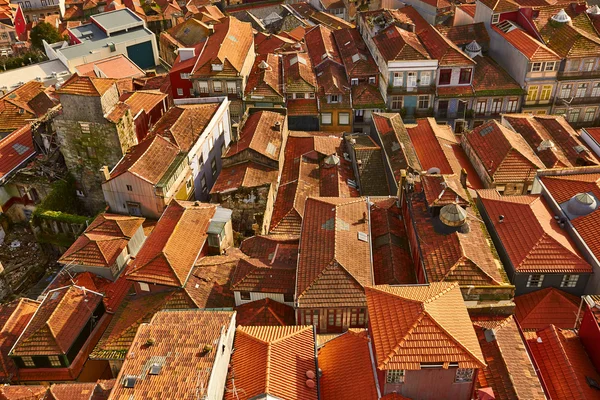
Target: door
x,y
410,105
443,108
134,209
334,321
141,54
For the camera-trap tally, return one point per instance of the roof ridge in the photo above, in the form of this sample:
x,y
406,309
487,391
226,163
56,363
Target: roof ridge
x,y
440,293
570,368
547,236
394,351
548,292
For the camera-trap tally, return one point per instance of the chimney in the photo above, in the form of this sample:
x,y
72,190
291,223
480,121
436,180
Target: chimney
x,y
185,53
211,29
105,173
463,178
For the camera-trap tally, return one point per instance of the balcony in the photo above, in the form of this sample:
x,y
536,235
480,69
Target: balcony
x,y
403,90
566,102
572,75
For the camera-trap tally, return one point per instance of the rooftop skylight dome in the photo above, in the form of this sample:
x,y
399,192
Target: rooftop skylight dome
x,y
453,215
473,49
582,204
561,17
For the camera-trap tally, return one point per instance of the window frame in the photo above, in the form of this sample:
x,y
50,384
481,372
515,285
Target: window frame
x,y
533,89
512,104
464,375
342,114
220,86
587,113
179,91
423,102
443,73
245,296
535,280
398,79
323,115
581,90
395,376
536,67
425,78
568,282
495,18
546,89
461,80
563,90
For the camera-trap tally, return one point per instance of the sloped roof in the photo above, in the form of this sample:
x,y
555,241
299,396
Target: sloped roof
x,y
244,175
549,306
367,96
180,337
144,100
265,312
265,81
411,325
262,133
14,317
20,106
347,367
509,372
531,236
57,322
16,148
501,6
441,190
490,79
434,145
103,241
168,255
531,48
397,44
355,53
505,154
331,251
253,275
442,49
273,360
462,35
86,86
570,41
321,45
298,72
564,364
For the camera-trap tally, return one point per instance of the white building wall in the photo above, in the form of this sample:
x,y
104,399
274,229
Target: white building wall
x,y
116,195
254,296
218,376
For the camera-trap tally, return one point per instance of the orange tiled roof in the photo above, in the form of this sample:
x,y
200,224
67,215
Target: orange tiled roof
x,y
115,67
334,264
209,283
355,54
549,306
265,81
169,253
15,149
570,41
86,86
434,146
501,5
262,133
20,106
278,250
103,241
462,35
14,317
531,237
144,100
253,275
367,96
397,44
180,337
564,364
527,45
441,190
490,77
57,322
298,72
321,45
80,391
506,155
442,49
509,370
23,392
411,325
273,360
302,107
347,368
247,174
265,312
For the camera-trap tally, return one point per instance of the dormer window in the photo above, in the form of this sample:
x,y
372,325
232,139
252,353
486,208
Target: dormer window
x,y
465,76
536,67
495,18
550,66
217,67
354,81
334,98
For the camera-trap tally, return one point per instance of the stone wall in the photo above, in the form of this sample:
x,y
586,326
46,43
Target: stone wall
x,y
249,206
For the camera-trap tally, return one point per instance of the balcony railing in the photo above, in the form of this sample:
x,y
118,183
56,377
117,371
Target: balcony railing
x,y
560,101
571,75
411,90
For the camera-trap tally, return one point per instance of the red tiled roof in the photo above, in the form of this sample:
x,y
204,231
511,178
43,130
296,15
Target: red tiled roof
x,y
247,174
329,20
367,96
455,91
265,312
397,44
506,155
144,101
433,145
347,367
183,124
564,365
528,46
490,78
262,133
411,325
321,45
531,236
509,370
302,107
20,106
57,322
594,133
180,338
168,255
209,283
103,241
265,81
354,52
274,361
253,275
441,190
78,391
86,86
23,392
334,264
549,306
15,149
14,317
570,41
117,112
462,35
115,67
442,49
277,250
469,9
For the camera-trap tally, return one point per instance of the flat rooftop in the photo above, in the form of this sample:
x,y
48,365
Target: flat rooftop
x,y
117,20
97,39
10,80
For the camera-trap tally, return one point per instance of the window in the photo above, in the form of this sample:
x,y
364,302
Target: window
x,y
549,66
573,65
311,317
398,78
203,86
129,188
596,89
27,4
561,111
217,86
480,108
569,281
203,183
85,127
445,76
535,280
496,106
581,89
536,67
231,87
464,375
357,317
54,361
213,166
394,376
574,115
326,118
532,93
144,287
465,76
344,118
546,92
192,92
589,114
179,92
311,95
411,80
28,361
288,297
245,295
423,102
372,80
565,91
44,4
512,105
396,102
184,75
290,96
588,65
495,18
354,81
221,127
334,98
425,78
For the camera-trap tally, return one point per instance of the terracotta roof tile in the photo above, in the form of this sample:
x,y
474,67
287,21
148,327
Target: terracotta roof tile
x,y
302,107
442,49
490,78
247,174
441,190
462,35
501,5
528,46
168,255
253,275
15,149
531,237
509,370
329,20
334,264
23,392
564,364
209,283
549,306
179,337
20,106
265,81
86,86
299,73
14,317
321,45
411,325
331,78
144,100
397,44
115,67
57,322
277,250
117,112
504,152
433,144
570,41
347,367
265,312
274,361
367,96
355,54
73,391
183,124
261,133
103,241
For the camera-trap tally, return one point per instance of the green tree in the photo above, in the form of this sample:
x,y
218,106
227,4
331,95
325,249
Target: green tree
x,y
44,31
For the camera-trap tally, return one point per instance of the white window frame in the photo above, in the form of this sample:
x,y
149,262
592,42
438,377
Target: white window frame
x,y
495,18
219,85
179,92
334,98
184,75
354,81
535,280
203,86
581,89
536,67
549,66
398,79
596,89
565,90
569,281
425,78
411,79
231,87
144,287
589,114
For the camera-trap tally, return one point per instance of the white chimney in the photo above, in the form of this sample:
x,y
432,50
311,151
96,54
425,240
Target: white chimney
x,y
186,53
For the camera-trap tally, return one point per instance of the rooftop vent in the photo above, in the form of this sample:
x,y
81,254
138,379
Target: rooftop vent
x,y
263,65
545,145
453,215
129,381
582,204
594,10
332,160
154,369
473,49
561,17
